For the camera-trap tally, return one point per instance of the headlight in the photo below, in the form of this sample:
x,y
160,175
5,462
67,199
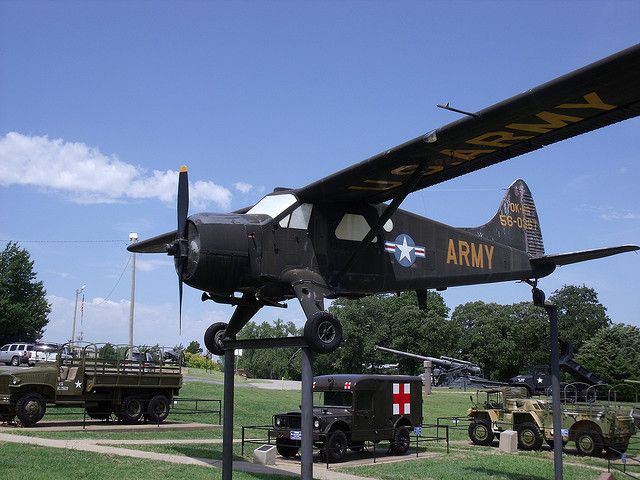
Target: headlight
x,y
316,424
278,421
15,380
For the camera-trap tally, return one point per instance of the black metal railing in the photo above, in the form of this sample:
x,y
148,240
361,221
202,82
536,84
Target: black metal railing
x,y
627,462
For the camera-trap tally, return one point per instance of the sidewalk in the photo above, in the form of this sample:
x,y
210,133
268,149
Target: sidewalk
x,y
291,469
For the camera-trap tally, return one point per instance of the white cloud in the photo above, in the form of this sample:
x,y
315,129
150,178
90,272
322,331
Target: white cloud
x,y
149,265
243,187
620,215
89,176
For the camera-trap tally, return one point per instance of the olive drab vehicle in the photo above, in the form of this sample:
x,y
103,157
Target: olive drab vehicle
x,y
131,389
591,426
349,410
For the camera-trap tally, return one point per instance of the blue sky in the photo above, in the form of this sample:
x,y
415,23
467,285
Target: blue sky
x,y
101,102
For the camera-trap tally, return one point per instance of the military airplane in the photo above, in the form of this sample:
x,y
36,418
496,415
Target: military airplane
x,y
345,236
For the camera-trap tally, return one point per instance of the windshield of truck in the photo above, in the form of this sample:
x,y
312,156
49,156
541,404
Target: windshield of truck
x,y
332,399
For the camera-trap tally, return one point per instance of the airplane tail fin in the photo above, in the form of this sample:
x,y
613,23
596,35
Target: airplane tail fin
x,y
516,222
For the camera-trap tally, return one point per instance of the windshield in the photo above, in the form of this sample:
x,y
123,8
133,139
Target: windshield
x,y
273,205
332,399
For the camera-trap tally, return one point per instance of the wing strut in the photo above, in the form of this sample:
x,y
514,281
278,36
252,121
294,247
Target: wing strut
x,y
405,190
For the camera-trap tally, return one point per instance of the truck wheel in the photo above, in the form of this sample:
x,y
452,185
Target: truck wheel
x,y
400,444
30,409
480,432
323,332
213,338
336,447
15,361
287,451
589,443
529,436
131,410
158,409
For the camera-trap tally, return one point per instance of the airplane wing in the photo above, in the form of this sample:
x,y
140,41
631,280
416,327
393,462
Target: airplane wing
x,y
581,256
594,96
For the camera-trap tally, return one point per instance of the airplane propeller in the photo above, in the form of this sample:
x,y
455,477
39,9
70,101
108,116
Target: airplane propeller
x,y
179,248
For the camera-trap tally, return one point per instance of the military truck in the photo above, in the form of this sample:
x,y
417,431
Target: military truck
x,y
350,409
592,427
93,377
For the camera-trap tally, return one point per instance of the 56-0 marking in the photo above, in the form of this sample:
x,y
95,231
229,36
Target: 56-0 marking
x,y
526,223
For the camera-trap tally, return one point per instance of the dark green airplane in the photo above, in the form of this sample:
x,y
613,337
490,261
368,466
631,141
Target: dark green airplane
x,y
338,238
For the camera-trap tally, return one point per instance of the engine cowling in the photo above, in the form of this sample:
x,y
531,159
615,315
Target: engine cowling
x,y
218,252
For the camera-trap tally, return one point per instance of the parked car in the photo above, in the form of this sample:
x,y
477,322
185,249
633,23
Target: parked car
x,y
48,352
17,353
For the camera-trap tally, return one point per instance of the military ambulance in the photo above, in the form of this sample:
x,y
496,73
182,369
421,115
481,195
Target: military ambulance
x,y
350,409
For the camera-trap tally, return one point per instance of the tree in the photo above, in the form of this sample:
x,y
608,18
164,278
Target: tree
x,y
270,362
580,314
23,304
194,347
613,354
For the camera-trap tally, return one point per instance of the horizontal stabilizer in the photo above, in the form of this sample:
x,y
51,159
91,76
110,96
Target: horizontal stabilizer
x,y
582,256
156,244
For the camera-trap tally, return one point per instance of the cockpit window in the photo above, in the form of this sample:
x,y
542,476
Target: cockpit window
x,y
353,227
273,205
299,218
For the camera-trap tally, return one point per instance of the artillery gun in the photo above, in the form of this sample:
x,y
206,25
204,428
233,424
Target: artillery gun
x,y
452,372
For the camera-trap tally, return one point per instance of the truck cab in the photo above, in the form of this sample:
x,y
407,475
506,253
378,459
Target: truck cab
x,y
351,409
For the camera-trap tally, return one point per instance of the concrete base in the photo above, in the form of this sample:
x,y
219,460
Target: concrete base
x,y
509,441
265,455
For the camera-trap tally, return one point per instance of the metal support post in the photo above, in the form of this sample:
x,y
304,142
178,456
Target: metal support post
x,y
306,450
552,312
227,422
427,377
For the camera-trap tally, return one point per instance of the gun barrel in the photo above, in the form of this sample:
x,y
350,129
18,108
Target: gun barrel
x,y
443,361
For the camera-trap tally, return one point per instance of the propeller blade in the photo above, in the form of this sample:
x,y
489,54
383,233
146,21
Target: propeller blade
x,y
180,299
183,202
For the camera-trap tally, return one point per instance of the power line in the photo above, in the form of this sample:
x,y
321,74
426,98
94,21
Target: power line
x,y
117,282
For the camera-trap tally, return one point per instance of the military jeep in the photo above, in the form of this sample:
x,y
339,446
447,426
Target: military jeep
x,y
591,426
349,410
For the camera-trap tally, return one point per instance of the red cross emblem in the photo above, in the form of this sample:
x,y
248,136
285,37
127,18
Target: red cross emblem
x,y
347,385
401,398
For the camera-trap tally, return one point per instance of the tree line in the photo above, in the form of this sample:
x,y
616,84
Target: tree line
x,y
504,339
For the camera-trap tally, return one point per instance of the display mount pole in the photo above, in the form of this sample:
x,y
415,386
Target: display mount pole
x,y
306,448
552,312
227,421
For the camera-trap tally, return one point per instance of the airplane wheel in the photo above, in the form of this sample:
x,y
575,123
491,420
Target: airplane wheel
x,y
213,338
323,332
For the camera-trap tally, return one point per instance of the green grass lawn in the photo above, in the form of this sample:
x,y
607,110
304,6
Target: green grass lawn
x,y
256,406
18,462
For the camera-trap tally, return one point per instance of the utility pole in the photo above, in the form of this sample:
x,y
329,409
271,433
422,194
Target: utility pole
x,y
133,238
75,313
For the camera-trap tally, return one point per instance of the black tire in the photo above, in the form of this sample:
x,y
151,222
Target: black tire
x,y
213,338
131,410
400,445
158,409
30,409
286,451
15,361
589,443
323,332
480,432
529,436
336,447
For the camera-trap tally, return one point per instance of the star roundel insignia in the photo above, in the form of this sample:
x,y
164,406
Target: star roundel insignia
x,y
78,384
405,250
